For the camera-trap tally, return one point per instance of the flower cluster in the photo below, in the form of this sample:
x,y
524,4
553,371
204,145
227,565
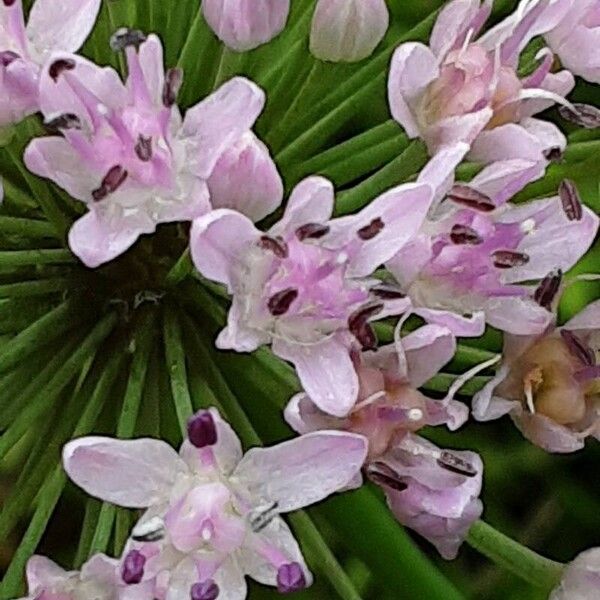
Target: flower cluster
x,y
458,255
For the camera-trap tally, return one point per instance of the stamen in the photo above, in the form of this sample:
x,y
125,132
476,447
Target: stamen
x,y
260,518
463,234
471,198
64,121
507,259
381,474
276,245
111,182
280,302
202,430
143,148
528,389
548,289
387,292
571,201
7,57
374,228
584,115
451,462
358,323
578,348
173,81
60,66
150,531
204,590
290,578
588,374
554,154
132,570
125,37
9,2
312,231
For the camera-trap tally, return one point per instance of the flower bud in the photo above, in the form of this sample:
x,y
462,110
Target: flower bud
x,y
201,429
290,578
243,25
347,30
132,570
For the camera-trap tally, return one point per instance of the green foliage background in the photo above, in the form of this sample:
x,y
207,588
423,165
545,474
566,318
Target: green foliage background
x,y
82,351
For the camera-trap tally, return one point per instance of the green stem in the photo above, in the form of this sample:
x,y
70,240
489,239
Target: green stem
x,y
519,560
24,258
30,228
181,269
402,168
26,289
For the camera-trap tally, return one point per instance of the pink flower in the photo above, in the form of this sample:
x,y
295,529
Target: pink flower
x,y
99,579
52,27
243,25
126,152
575,39
463,89
212,515
433,491
475,252
581,578
304,286
549,384
347,30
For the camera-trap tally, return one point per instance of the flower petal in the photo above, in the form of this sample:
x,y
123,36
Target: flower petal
x,y
546,433
42,572
231,582
94,241
243,26
311,201
326,372
402,211
517,315
461,326
414,66
216,241
130,473
276,535
427,349
588,318
217,122
303,470
61,26
246,179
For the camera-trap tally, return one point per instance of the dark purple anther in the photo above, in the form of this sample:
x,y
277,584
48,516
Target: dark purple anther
x,y
9,2
471,198
111,182
387,292
358,324
554,154
280,302
549,286
507,259
7,57
583,115
60,66
202,430
578,348
173,81
312,231
463,234
64,121
124,37
143,148
205,590
275,245
132,569
290,578
368,232
571,201
385,476
453,463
